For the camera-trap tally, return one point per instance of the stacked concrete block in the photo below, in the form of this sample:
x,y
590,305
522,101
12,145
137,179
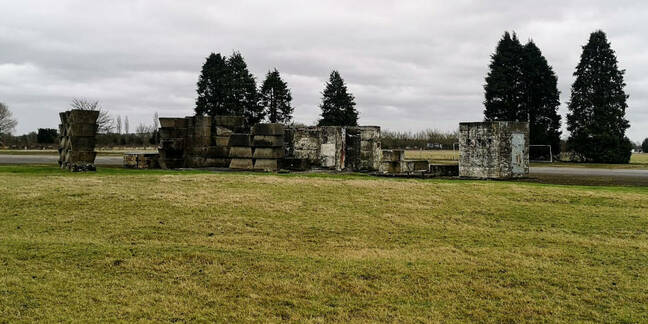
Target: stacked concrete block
x,y
495,150
335,147
393,161
241,151
268,142
172,142
77,139
363,150
142,160
198,141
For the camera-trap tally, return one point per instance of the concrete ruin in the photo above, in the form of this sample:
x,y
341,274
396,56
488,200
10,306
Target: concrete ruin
x,y
227,142
494,150
394,163
77,139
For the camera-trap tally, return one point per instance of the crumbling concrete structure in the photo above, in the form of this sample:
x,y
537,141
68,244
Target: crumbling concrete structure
x,y
394,163
77,139
494,150
227,142
353,148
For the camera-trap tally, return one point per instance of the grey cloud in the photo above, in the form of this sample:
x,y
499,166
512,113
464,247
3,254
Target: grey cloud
x,y
411,64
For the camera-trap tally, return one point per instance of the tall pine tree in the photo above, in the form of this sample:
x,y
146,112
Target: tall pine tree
x,y
212,87
504,82
596,118
521,86
275,98
242,96
541,98
338,106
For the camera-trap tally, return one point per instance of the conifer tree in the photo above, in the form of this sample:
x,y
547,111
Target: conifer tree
x,y
338,106
541,98
242,96
213,87
644,145
504,82
596,118
275,98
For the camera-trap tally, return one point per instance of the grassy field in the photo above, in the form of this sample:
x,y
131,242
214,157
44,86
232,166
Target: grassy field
x,y
196,246
637,161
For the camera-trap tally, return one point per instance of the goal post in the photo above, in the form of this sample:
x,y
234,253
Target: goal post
x,y
540,153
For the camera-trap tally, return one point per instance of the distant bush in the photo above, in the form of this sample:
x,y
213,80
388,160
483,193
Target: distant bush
x,y
426,139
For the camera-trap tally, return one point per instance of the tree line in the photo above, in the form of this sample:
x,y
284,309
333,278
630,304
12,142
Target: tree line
x,y
521,86
226,87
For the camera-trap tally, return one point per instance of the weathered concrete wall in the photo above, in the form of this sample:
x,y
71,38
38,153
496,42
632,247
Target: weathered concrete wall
x,y
77,139
225,141
496,150
335,147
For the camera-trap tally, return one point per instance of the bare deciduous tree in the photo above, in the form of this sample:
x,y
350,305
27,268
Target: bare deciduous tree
x,y
144,129
7,122
104,121
126,125
118,124
156,119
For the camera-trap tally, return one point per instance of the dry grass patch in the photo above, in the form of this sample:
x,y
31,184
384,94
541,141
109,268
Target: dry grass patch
x,y
161,246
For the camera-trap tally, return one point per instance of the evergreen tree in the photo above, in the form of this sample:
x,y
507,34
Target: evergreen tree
x,y
541,98
338,106
213,86
504,82
276,98
242,96
644,145
596,118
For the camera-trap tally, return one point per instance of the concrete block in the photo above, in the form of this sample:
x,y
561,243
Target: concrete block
x,y
269,153
393,155
172,122
222,131
77,116
240,152
76,143
415,166
172,132
221,140
172,144
82,130
268,141
266,164
390,167
80,156
241,164
238,139
498,150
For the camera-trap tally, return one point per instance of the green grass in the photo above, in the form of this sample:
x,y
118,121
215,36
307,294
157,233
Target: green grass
x,y
166,246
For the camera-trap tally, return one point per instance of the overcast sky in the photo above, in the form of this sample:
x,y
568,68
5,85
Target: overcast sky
x,y
411,65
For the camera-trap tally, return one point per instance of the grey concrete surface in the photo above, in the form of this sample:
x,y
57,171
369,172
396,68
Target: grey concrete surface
x,y
589,172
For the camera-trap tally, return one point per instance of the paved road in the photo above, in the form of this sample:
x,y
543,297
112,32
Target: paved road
x,y
117,160
52,159
590,172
